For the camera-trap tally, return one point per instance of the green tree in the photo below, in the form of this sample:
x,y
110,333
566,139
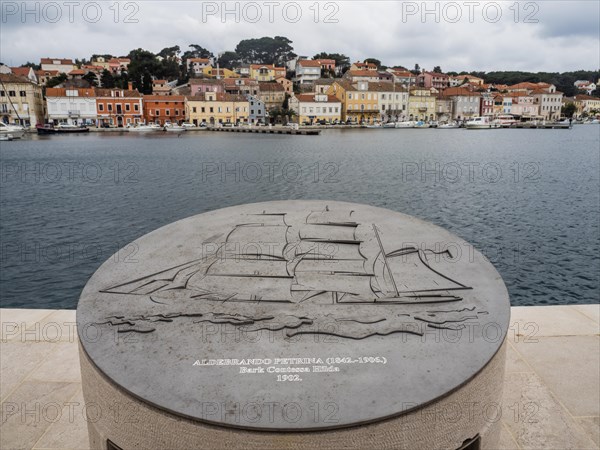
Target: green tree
x,y
147,83
91,78
342,62
437,69
265,50
107,80
55,81
373,61
228,60
569,109
32,65
169,52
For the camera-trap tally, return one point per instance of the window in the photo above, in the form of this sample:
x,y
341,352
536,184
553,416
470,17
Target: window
x,y
194,109
11,93
110,106
2,94
212,110
136,107
100,107
22,93
157,112
168,112
203,109
127,107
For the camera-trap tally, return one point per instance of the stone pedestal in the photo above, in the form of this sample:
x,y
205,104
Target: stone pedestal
x,y
295,325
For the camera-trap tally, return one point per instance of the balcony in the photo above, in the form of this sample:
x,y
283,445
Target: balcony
x,y
74,113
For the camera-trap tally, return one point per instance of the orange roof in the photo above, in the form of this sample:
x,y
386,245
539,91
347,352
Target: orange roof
x,y
459,91
61,61
61,92
21,71
271,86
585,97
200,60
309,63
362,73
46,72
159,81
77,72
220,97
12,78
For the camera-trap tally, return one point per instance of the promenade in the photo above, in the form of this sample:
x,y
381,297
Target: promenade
x,y
551,392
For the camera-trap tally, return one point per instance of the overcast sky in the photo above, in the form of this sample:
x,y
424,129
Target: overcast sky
x,y
546,35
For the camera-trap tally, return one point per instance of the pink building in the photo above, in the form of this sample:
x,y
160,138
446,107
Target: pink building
x,y
433,80
523,105
198,85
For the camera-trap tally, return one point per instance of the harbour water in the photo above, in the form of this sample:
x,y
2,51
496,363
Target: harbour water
x,y
528,199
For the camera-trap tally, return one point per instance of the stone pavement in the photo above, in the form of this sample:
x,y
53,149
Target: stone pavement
x,y
551,393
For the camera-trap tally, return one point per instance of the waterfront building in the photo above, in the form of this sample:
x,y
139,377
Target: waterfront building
x,y
58,64
486,105
587,104
196,66
312,108
433,80
307,71
272,94
257,112
198,85
359,104
216,107
392,100
243,70
73,106
218,73
421,104
164,108
21,101
443,108
549,101
523,104
266,72
506,104
118,107
465,103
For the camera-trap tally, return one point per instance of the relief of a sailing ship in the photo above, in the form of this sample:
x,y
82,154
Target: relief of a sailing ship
x,y
328,263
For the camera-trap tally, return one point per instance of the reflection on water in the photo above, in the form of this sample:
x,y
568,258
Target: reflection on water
x,y
527,199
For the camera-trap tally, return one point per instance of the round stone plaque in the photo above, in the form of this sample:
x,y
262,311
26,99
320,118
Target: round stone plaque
x,y
293,316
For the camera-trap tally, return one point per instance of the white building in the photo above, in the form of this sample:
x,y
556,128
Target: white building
x,y
196,65
62,65
311,108
307,71
549,101
70,105
392,100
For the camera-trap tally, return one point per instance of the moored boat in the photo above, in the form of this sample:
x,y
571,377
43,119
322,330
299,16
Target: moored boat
x,y
481,123
12,131
449,125
145,128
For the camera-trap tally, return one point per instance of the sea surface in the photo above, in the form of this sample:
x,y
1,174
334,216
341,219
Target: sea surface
x,y
528,199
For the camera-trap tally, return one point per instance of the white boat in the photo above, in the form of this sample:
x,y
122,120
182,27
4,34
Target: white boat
x,y
421,124
376,125
174,128
506,120
389,125
449,125
481,123
145,128
406,124
14,131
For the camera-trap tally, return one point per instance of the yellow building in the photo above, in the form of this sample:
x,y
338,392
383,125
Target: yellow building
x,y
421,104
213,72
21,101
312,108
587,104
359,104
266,72
213,108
